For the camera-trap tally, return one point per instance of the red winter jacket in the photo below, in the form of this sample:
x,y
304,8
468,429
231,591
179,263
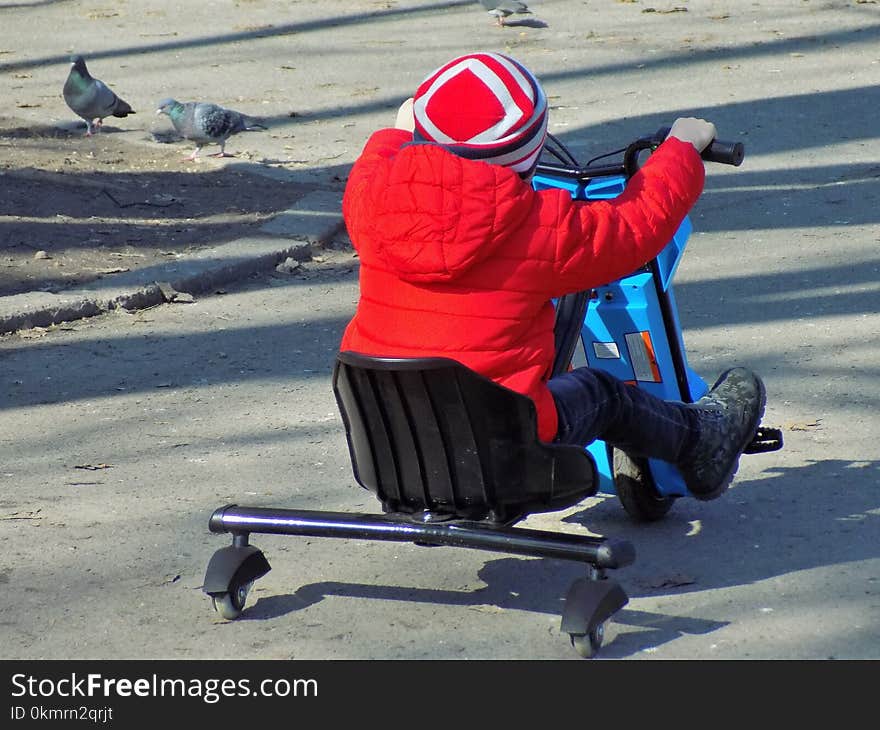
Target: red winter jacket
x,y
461,258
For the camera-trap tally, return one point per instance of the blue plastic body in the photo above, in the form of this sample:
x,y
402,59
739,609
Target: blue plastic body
x,y
613,335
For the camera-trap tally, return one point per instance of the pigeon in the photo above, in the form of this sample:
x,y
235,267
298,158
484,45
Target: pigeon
x,y
502,8
90,98
205,123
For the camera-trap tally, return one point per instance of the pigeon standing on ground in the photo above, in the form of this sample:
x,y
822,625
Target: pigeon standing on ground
x,y
205,123
90,98
500,9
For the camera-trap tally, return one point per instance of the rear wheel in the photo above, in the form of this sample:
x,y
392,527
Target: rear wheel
x,y
636,489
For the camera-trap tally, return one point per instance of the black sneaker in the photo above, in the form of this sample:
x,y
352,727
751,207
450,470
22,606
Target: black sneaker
x,y
730,414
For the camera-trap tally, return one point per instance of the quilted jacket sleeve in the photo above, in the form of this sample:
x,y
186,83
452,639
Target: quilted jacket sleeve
x,y
383,144
600,241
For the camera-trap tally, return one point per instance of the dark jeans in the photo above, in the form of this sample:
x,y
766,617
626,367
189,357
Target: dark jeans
x,y
593,404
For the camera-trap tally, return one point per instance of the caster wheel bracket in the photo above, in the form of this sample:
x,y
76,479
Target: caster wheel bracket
x,y
590,603
234,566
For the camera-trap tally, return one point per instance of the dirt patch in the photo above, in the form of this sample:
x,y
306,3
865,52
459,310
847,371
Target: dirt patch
x,y
74,208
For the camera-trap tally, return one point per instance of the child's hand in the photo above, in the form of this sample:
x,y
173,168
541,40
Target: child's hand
x,y
698,132
405,118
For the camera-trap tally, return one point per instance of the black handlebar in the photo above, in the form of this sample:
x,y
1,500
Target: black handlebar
x,y
727,153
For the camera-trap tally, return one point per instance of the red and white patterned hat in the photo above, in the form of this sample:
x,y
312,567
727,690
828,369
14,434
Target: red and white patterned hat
x,y
483,106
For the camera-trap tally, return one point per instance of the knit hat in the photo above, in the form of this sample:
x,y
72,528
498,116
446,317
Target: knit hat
x,y
484,106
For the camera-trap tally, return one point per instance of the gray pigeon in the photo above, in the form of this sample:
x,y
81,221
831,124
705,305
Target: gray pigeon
x,y
205,123
502,8
91,98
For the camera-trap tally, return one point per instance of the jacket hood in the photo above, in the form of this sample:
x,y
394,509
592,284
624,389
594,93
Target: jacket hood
x,y
429,215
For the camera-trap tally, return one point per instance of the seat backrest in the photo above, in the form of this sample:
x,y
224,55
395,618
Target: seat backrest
x,y
429,434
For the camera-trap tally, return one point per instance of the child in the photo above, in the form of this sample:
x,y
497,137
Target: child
x,y
460,258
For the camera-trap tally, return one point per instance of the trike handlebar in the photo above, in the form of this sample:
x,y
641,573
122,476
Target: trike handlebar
x,y
727,153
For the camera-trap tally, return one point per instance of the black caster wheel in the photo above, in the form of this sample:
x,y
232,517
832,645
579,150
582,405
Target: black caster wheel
x,y
636,489
588,645
230,605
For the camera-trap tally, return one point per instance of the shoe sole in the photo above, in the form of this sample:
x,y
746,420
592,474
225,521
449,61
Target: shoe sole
x,y
753,428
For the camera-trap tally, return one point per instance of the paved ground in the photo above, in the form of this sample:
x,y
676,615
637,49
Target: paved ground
x,y
122,432
79,210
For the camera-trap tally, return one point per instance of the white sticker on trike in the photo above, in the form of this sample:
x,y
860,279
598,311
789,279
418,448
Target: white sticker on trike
x,y
641,355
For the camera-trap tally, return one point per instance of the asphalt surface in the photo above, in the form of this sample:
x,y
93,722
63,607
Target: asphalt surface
x,y
123,431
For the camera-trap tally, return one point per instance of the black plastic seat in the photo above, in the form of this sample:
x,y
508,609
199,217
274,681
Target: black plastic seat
x,y
432,435
454,459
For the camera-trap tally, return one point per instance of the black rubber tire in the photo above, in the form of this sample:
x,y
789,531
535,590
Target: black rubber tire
x,y
636,489
230,605
588,645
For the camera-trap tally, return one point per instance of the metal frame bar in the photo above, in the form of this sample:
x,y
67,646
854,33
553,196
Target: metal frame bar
x,y
598,551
